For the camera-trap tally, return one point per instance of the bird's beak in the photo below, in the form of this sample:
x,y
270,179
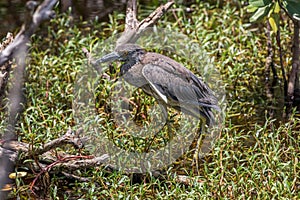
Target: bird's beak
x,y
109,57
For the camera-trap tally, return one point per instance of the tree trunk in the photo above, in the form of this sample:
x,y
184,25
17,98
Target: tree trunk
x,y
293,92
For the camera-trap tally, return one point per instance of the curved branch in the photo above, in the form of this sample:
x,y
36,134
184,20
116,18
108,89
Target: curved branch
x,y
134,28
42,13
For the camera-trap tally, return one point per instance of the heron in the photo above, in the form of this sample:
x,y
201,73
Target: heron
x,y
168,81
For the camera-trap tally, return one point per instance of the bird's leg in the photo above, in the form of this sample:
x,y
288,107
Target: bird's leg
x,y
164,112
165,118
138,109
197,149
169,128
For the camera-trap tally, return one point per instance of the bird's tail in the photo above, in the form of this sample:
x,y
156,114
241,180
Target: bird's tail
x,y
204,113
208,115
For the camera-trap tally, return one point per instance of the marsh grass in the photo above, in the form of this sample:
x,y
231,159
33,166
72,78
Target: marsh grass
x,y
254,157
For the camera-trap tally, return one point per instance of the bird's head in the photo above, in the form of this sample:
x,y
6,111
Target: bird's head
x,y
126,52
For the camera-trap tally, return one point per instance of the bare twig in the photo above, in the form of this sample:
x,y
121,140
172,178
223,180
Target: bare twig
x,y
5,69
42,13
187,180
13,147
134,28
65,162
75,177
89,162
270,65
66,159
278,41
11,155
68,138
131,21
154,17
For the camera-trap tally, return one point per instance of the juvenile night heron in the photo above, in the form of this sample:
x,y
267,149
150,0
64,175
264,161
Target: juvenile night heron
x,y
169,82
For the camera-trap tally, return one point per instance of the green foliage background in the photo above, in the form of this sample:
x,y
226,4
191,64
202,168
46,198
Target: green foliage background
x,y
255,157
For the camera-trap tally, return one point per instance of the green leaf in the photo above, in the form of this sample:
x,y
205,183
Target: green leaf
x,y
274,22
251,8
260,13
274,16
293,8
277,7
259,3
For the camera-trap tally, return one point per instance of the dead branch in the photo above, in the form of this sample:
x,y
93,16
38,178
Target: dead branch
x,y
153,17
18,49
48,160
134,28
278,41
75,164
72,176
131,21
11,155
293,86
21,147
5,68
268,66
42,13
69,138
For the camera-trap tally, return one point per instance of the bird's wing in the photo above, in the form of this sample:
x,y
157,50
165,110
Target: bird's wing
x,y
180,88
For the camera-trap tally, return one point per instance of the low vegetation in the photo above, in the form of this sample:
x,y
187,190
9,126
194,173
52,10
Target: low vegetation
x,y
255,157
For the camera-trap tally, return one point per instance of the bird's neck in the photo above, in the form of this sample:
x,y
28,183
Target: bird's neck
x,y
131,61
127,65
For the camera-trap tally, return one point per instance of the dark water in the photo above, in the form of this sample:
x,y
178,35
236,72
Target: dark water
x,y
13,12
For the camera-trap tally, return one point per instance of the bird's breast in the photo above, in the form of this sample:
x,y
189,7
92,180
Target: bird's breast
x,y
133,74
